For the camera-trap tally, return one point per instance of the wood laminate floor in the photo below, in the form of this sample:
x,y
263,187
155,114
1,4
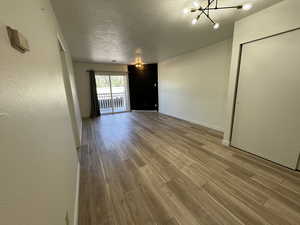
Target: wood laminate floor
x,y
151,169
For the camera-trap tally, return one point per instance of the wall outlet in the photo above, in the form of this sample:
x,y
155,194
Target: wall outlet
x,y
67,218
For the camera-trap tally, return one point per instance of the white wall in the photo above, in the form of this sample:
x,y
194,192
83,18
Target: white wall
x,y
281,17
193,86
38,160
83,82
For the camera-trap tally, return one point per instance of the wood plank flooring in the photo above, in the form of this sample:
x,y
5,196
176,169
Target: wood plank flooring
x,y
151,169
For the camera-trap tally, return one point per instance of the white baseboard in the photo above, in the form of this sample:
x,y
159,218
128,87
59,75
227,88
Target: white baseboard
x,y
225,142
217,128
143,111
76,204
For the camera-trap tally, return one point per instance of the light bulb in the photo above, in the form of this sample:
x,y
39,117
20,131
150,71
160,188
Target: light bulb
x,y
247,7
194,21
196,4
186,11
216,26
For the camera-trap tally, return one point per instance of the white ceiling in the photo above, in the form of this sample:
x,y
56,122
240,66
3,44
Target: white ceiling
x,y
106,30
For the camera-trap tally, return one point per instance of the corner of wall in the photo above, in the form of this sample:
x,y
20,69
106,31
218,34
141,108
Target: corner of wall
x,y
225,142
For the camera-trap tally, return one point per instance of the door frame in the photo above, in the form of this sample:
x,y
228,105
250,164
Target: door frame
x,y
68,91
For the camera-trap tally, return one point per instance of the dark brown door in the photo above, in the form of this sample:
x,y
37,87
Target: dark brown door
x,y
143,87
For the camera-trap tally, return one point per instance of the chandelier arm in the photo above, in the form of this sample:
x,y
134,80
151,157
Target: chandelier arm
x,y
203,10
208,7
211,20
226,7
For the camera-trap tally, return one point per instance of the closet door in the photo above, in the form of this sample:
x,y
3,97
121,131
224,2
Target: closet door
x,y
267,112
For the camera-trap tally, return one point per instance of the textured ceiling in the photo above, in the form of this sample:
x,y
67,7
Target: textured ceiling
x,y
106,30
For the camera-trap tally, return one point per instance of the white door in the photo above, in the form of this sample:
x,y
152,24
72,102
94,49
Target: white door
x,y
267,113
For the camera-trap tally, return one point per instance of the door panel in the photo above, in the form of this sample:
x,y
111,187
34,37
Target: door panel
x,y
104,94
119,93
143,87
267,113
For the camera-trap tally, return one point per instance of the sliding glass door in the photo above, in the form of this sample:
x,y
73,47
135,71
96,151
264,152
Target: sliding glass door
x,y
113,94
119,93
104,94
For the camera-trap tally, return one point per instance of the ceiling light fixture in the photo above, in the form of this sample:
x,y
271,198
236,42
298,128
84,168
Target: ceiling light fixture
x,y
247,7
216,26
138,62
212,5
196,4
186,11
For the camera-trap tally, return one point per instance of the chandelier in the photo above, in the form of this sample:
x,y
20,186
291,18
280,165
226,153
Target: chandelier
x,y
211,5
139,63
